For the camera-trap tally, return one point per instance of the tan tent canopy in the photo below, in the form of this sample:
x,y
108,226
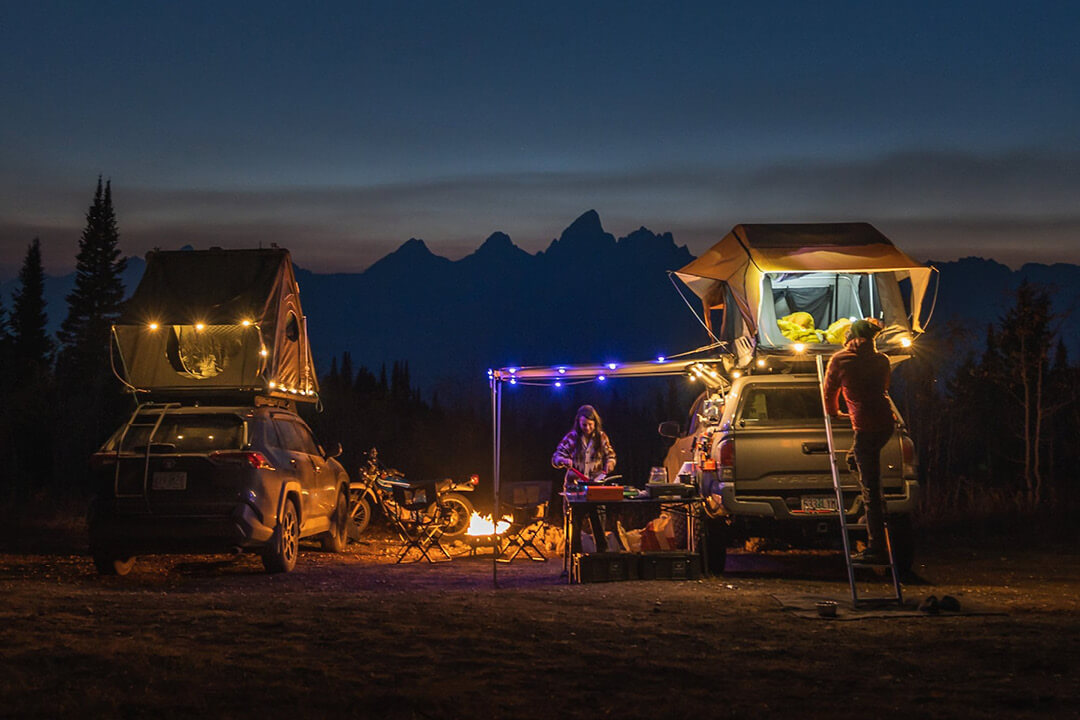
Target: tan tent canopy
x,y
206,321
763,270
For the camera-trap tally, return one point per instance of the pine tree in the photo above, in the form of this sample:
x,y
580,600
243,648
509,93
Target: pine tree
x,y
29,399
31,346
90,402
94,304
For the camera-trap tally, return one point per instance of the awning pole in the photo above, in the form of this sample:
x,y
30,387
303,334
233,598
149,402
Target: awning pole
x,y
496,423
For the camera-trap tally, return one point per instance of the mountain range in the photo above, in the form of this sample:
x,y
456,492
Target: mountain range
x,y
588,297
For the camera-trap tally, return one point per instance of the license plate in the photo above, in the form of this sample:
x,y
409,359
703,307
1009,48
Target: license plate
x,y
169,481
818,504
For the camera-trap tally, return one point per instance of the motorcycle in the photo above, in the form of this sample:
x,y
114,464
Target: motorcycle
x,y
371,490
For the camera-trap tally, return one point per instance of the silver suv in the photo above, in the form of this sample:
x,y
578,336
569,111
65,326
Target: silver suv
x,y
188,478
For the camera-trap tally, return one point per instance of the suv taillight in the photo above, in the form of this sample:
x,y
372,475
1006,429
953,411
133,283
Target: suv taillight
x,y
725,456
255,459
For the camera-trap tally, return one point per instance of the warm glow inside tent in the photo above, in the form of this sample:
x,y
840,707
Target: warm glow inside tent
x,y
210,321
782,285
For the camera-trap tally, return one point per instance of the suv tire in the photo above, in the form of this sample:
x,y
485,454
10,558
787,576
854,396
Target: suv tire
x,y
280,555
336,537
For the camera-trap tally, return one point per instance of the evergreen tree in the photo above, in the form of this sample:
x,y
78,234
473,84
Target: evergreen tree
x,y
91,404
31,346
29,399
94,304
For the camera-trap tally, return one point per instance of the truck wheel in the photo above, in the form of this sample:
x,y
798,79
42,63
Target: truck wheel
x,y
717,538
902,538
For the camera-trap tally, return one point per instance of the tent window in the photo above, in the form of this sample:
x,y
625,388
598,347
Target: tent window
x,y
292,329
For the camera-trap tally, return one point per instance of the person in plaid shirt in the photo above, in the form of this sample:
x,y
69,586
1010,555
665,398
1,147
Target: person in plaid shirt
x,y
586,448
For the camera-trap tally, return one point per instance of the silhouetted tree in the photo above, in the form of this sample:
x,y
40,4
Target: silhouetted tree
x,y
31,346
29,400
94,303
90,402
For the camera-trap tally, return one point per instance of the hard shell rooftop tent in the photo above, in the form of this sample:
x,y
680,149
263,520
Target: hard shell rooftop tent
x,y
216,321
766,279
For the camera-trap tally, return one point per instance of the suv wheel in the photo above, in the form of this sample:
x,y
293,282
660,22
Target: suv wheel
x,y
280,555
335,538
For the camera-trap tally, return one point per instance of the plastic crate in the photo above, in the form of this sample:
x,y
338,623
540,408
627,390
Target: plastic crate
x,y
670,566
605,567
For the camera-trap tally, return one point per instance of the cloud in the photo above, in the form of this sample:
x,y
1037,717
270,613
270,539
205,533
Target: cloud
x,y
1014,207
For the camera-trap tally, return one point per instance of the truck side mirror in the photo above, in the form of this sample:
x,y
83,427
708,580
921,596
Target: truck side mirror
x,y
669,429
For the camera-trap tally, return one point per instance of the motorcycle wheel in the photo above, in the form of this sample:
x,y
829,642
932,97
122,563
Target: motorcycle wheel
x,y
359,514
456,513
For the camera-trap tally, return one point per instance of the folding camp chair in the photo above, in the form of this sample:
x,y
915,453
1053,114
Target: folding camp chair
x,y
416,519
528,503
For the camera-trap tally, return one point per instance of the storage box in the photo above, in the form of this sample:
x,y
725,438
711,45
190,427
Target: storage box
x,y
605,567
604,492
670,566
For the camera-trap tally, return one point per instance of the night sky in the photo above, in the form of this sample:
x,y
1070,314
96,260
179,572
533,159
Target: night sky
x,y
343,129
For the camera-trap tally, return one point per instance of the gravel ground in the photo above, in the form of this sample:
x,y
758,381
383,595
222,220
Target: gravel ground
x,y
354,635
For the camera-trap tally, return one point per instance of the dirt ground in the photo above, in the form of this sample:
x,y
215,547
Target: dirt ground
x,y
353,635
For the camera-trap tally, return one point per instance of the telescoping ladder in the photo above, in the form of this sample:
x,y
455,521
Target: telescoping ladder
x,y
845,528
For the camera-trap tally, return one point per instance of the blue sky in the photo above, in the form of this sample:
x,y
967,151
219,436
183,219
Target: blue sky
x,y
340,130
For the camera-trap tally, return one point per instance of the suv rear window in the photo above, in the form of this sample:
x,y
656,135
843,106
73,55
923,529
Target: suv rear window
x,y
765,405
188,434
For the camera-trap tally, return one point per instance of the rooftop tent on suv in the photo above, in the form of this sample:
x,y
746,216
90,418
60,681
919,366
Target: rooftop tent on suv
x,y
779,285
209,321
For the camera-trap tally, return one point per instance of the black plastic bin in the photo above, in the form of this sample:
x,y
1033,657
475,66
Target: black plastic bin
x,y
670,566
605,567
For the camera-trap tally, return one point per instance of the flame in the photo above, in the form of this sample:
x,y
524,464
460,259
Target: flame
x,y
480,525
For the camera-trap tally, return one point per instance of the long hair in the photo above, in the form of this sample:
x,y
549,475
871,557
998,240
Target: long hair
x,y
587,411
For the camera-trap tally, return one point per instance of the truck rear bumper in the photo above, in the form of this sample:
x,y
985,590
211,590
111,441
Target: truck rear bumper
x,y
773,506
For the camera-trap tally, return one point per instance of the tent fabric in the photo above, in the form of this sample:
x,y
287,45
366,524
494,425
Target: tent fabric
x,y
217,320
751,257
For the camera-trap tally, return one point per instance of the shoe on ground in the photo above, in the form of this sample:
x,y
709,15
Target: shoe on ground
x,y
949,603
871,556
930,605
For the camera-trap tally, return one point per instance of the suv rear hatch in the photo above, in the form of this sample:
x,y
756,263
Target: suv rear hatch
x,y
183,465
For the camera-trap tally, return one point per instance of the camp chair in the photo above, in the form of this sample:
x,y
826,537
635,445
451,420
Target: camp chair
x,y
528,504
416,519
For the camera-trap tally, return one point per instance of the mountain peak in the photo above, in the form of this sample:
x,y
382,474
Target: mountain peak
x,y
586,233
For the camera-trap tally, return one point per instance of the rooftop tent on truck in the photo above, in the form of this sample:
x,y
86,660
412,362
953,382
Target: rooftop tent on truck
x,y
216,321
787,284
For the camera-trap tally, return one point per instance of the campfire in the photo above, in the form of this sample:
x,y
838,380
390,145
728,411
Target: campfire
x,y
484,526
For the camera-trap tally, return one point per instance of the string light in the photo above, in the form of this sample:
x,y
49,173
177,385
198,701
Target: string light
x,y
152,326
799,347
601,378
245,323
905,341
200,326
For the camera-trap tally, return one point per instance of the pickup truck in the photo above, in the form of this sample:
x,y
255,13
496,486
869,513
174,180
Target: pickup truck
x,y
760,454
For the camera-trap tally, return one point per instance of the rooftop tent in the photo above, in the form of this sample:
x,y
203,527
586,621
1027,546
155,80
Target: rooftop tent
x,y
779,285
217,321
